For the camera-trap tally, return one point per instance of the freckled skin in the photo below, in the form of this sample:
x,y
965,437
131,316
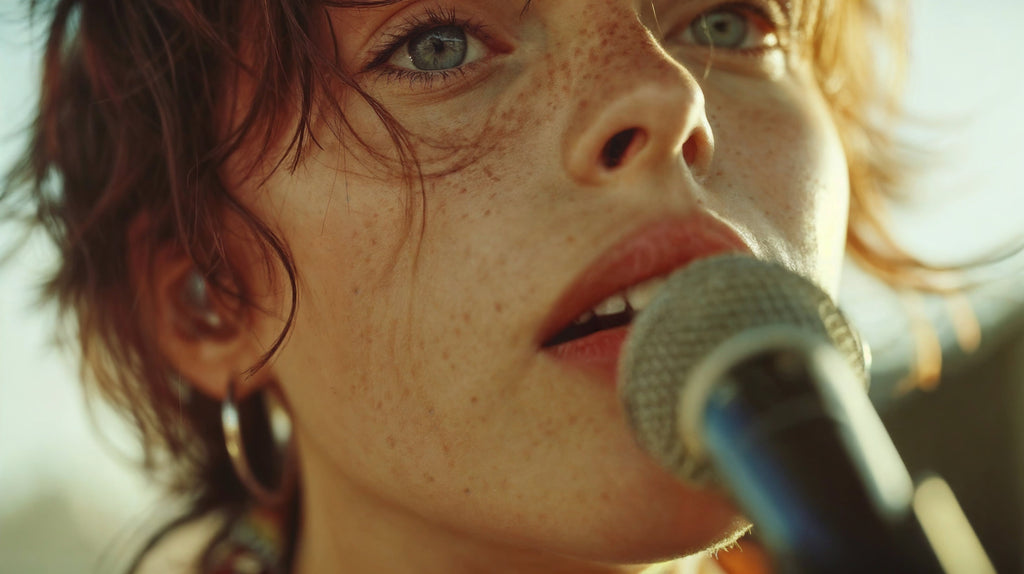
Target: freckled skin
x,y
446,432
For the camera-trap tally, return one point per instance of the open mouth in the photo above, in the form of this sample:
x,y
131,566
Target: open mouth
x,y
615,311
589,323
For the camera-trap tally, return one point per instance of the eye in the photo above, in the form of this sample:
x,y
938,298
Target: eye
x,y
732,28
437,49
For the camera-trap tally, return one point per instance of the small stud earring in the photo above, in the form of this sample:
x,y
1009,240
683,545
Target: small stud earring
x,y
196,298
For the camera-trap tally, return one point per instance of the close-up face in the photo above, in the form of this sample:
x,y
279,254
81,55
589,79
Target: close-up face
x,y
569,150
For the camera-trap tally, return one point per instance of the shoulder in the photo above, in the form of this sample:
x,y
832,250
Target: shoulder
x,y
181,549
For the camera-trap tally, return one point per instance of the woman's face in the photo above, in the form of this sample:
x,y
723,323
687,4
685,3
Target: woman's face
x,y
569,150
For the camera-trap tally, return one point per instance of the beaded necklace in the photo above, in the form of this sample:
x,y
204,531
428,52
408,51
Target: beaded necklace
x,y
254,544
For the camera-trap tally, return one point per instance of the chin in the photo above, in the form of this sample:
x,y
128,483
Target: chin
x,y
686,540
664,546
658,529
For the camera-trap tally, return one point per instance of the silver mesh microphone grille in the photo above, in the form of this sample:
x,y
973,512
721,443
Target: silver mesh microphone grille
x,y
699,308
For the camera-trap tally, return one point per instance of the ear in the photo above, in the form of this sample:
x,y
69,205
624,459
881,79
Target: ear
x,y
204,335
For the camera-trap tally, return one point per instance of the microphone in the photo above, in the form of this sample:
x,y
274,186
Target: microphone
x,y
745,376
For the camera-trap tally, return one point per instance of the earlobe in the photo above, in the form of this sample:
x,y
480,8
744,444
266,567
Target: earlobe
x,y
202,337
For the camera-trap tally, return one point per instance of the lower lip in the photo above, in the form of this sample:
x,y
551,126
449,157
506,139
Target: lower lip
x,y
598,353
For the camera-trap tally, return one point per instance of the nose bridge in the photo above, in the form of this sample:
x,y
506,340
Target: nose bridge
x,y
632,102
618,54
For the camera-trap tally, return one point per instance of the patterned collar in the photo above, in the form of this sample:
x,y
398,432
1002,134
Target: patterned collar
x,y
254,544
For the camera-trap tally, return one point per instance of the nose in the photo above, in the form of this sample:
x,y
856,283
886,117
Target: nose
x,y
635,114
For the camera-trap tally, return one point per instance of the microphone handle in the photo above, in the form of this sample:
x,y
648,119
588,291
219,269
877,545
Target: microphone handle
x,y
811,465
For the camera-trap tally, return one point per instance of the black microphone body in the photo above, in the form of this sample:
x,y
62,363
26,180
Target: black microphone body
x,y
825,491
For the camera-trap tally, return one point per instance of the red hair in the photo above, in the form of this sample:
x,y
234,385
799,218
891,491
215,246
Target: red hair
x,y
127,131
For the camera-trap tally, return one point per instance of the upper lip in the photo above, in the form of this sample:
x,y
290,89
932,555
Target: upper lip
x,y
652,250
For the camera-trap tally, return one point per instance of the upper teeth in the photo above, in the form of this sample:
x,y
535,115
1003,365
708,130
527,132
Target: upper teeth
x,y
641,294
584,318
636,298
612,305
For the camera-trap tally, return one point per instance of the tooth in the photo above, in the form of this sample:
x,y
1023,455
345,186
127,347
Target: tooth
x,y
584,318
612,305
639,296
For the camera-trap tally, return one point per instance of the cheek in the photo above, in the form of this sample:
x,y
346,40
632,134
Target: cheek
x,y
827,194
782,177
346,235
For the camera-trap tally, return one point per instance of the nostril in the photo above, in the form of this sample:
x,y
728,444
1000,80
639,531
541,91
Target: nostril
x,y
615,149
690,150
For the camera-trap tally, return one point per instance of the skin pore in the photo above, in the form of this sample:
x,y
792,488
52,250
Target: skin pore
x,y
435,433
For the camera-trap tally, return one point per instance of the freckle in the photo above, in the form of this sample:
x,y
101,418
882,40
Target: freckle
x,y
463,191
428,477
355,290
430,411
605,496
465,317
466,491
380,405
474,400
570,239
445,355
391,442
498,308
487,212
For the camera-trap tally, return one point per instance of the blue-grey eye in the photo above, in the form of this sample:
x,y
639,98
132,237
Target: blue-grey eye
x,y
721,29
441,48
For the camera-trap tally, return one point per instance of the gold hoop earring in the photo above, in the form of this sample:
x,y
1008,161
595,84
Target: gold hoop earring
x,y
280,425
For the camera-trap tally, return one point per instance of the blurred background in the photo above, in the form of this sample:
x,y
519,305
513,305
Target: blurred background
x,y
71,502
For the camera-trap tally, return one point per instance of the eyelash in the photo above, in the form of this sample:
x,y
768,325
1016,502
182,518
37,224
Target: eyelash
x,y
395,39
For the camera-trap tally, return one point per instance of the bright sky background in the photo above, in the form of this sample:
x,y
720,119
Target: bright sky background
x,y
70,497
